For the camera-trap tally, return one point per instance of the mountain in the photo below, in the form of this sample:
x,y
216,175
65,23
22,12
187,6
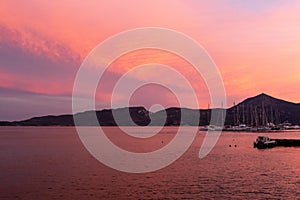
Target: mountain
x,y
139,117
255,111
263,109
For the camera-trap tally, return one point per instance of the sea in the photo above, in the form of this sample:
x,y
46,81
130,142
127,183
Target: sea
x,y
52,163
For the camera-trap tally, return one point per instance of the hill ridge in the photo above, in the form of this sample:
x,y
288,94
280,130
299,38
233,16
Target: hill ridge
x,y
254,111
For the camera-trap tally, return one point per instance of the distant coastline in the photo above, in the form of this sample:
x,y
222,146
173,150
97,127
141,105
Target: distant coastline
x,y
255,111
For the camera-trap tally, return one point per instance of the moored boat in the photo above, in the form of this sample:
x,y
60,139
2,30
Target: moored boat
x,y
263,142
211,128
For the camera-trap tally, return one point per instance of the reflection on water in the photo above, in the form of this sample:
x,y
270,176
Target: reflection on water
x,y
51,163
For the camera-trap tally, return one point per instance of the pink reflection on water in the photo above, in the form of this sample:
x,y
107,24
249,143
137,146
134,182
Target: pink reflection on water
x,y
51,163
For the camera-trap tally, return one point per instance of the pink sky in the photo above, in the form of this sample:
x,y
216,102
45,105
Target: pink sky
x,y
255,45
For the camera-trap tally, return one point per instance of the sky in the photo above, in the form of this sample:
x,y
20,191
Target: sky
x,y
255,45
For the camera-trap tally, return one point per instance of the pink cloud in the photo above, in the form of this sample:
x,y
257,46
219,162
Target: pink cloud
x,y
256,47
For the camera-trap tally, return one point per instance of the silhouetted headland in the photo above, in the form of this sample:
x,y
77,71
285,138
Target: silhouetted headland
x,y
261,110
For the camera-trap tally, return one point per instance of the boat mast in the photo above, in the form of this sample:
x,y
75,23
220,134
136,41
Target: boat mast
x,y
234,113
272,121
238,115
256,116
208,111
243,114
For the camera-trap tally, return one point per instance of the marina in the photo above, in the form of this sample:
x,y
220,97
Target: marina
x,y
245,128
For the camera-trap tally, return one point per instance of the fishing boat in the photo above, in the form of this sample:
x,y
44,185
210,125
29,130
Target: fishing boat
x,y
263,142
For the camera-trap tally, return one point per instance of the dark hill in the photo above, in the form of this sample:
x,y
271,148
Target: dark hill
x,y
258,110
263,109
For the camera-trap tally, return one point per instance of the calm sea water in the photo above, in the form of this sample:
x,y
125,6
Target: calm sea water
x,y
51,163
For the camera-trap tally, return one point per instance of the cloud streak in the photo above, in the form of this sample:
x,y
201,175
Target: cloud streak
x,y
255,44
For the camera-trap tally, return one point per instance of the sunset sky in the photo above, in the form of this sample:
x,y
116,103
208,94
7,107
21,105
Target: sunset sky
x,y
255,44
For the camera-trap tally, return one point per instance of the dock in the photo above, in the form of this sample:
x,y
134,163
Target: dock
x,y
264,142
287,142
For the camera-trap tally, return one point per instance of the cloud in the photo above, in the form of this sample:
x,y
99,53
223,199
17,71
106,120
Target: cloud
x,y
19,104
256,46
35,64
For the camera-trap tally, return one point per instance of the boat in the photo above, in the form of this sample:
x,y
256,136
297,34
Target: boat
x,y
263,142
211,128
239,128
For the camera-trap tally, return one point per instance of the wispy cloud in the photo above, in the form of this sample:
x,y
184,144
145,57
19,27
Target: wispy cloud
x,y
255,44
